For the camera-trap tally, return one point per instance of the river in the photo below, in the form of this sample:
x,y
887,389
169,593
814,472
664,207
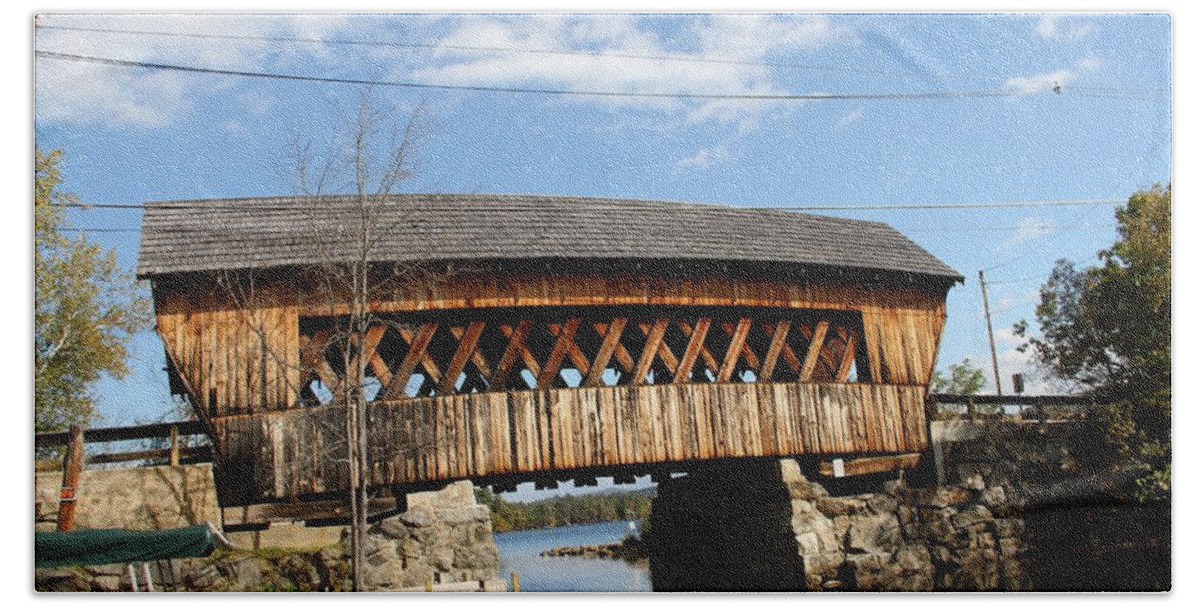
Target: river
x,y
520,551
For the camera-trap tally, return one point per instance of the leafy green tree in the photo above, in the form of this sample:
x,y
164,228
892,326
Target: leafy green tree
x,y
1106,329
965,379
85,309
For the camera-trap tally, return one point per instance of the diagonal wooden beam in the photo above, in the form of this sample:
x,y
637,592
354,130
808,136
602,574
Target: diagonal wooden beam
x,y
747,354
653,339
516,341
710,359
612,337
416,353
466,346
578,359
312,356
778,333
623,357
736,341
817,340
824,356
477,357
843,373
664,352
554,361
531,362
695,345
367,346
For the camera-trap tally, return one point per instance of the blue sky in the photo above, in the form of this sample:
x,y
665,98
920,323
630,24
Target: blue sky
x,y
133,135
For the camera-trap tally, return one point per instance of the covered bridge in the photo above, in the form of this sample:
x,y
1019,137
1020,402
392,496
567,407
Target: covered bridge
x,y
530,337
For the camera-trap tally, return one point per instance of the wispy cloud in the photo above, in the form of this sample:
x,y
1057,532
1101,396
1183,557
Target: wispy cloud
x,y
704,158
1028,229
1061,26
716,40
848,120
81,93
1039,83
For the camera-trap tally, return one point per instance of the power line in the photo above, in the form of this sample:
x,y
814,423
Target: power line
x,y
885,96
1042,203
284,206
462,47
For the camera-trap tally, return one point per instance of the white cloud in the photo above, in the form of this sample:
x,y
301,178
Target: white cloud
x,y
1090,64
1040,83
1059,26
704,158
848,120
85,93
1028,229
730,48
734,48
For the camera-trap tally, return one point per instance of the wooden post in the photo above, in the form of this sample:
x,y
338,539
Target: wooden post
x,y
175,447
72,470
132,577
987,314
146,574
516,581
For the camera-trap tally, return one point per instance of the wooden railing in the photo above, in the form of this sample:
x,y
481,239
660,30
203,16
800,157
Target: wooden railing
x,y
175,454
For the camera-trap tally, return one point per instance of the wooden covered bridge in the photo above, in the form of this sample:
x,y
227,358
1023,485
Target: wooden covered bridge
x,y
515,338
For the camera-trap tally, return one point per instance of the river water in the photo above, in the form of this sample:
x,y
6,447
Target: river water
x,y
520,551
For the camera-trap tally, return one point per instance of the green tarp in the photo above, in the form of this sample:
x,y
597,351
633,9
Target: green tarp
x,y
94,547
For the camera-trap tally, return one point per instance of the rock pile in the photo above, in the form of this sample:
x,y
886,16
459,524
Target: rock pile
x,y
443,537
900,539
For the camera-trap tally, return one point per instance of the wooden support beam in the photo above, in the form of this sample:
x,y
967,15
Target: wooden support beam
x,y
653,339
294,511
416,351
516,344
530,361
873,464
367,346
426,360
814,350
624,359
664,352
747,354
481,362
612,340
312,356
554,361
778,333
578,359
736,340
843,373
695,344
709,359
466,346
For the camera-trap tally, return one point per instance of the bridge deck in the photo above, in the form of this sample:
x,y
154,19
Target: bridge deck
x,y
293,454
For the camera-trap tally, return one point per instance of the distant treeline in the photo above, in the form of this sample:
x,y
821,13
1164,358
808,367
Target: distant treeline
x,y
566,510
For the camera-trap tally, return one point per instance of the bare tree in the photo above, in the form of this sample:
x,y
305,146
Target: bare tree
x,y
364,160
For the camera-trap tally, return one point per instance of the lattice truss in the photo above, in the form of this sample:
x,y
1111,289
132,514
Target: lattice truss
x,y
525,350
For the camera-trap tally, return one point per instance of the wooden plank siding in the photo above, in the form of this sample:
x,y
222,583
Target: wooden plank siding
x,y
235,361
284,454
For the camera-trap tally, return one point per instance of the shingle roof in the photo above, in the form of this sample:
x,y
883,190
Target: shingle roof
x,y
189,236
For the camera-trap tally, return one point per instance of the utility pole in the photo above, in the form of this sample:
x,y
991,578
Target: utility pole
x,y
987,314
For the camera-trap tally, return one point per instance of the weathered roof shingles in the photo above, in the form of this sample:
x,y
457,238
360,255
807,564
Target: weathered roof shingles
x,y
190,236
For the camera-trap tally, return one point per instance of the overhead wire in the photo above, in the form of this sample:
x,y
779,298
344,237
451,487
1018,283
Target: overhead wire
x,y
873,96
464,47
507,205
